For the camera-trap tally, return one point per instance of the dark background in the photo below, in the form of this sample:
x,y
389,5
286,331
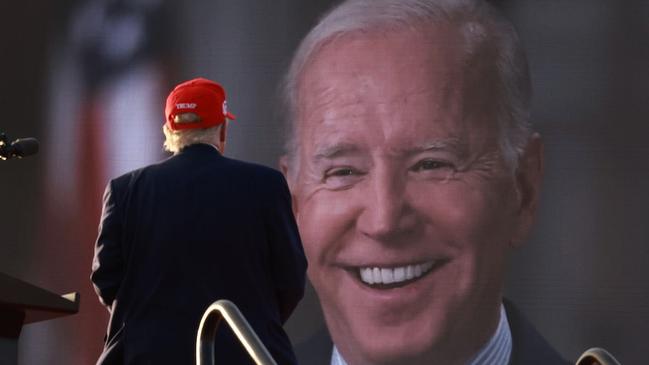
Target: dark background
x,y
581,278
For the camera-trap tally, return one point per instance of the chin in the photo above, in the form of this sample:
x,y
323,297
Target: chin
x,y
400,345
398,354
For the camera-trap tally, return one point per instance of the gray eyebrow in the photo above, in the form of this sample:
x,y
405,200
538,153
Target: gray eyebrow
x,y
335,150
344,149
452,144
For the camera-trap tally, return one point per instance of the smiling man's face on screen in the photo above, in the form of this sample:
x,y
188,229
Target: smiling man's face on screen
x,y
405,204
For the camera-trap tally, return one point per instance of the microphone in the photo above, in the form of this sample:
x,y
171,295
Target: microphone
x,y
21,147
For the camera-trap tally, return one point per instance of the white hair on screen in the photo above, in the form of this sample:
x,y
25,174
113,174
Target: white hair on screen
x,y
480,23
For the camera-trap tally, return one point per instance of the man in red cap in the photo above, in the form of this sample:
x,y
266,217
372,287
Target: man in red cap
x,y
180,234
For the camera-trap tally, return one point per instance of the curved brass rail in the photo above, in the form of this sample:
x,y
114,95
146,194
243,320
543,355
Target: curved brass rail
x,y
225,309
597,356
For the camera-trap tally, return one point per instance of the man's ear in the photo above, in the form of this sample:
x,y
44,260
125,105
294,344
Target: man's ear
x,y
284,168
223,131
528,178
222,136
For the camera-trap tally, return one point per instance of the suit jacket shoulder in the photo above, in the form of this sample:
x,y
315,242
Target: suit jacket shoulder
x,y
316,350
528,346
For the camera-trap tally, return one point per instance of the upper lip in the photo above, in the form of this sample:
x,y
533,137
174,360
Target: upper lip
x,y
390,264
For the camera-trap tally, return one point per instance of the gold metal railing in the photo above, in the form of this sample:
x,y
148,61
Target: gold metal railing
x,y
225,309
597,356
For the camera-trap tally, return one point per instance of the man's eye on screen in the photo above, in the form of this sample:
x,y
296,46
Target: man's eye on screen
x,y
341,177
434,168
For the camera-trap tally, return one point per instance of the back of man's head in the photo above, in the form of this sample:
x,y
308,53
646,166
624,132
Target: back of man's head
x,y
196,112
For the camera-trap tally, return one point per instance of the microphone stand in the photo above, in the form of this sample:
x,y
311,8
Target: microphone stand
x,y
19,148
4,146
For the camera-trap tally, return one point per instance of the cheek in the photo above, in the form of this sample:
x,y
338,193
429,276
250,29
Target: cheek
x,y
471,218
476,224
323,219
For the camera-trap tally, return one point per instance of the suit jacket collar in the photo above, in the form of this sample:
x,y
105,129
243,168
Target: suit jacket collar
x,y
199,148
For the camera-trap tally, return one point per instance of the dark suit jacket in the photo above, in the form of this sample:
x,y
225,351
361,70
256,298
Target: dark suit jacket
x,y
528,346
178,235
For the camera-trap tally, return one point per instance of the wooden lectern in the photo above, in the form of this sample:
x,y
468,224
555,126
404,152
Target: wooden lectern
x,y
22,303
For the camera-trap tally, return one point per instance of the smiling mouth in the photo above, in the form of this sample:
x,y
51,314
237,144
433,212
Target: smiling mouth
x,y
394,277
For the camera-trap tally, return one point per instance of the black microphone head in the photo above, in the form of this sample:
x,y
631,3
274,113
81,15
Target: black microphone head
x,y
25,146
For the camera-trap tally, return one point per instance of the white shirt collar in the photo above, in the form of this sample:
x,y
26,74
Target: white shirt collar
x,y
213,145
496,351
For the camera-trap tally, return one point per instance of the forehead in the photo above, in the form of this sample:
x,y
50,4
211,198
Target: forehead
x,y
399,85
396,61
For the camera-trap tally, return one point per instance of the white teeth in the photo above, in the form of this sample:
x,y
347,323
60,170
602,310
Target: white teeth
x,y
387,275
376,275
399,274
366,276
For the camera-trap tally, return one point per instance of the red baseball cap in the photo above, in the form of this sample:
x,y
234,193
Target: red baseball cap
x,y
197,103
